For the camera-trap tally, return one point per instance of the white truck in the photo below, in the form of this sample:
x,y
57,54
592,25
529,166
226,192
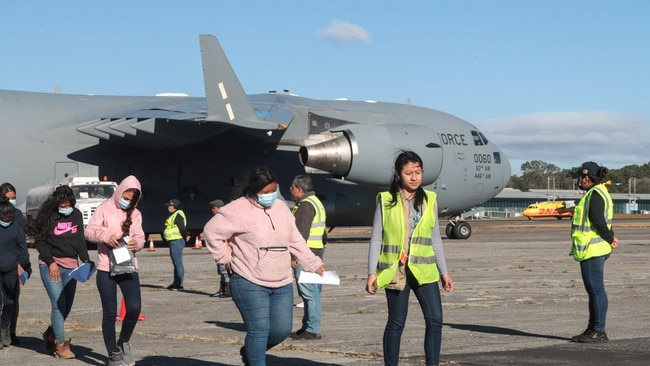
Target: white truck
x,y
89,192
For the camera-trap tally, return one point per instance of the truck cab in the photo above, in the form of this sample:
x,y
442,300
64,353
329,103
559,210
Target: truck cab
x,y
90,192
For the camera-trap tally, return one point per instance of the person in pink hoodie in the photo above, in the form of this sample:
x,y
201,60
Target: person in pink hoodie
x,y
255,237
115,222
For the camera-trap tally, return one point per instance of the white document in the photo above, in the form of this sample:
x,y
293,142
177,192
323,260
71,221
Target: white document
x,y
121,254
329,278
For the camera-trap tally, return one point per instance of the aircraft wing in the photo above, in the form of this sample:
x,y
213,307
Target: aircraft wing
x,y
172,121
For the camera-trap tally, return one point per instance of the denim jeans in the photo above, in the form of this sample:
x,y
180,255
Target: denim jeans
x,y
428,296
176,253
61,296
593,273
8,296
267,314
310,294
129,284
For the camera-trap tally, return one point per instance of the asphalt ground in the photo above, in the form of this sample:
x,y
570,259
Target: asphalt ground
x,y
518,300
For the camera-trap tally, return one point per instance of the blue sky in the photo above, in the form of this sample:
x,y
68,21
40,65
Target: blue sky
x,y
561,81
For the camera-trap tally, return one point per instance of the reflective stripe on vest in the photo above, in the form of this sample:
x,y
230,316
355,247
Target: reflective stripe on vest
x,y
586,243
172,232
421,256
317,229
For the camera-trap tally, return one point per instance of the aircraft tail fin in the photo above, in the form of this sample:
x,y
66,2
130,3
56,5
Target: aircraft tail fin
x,y
226,100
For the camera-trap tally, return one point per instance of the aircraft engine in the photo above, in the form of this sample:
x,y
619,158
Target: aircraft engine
x,y
365,154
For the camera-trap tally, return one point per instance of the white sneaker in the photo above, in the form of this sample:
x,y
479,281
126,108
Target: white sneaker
x,y
301,305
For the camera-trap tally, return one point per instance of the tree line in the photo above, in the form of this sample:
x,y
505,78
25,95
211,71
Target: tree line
x,y
538,174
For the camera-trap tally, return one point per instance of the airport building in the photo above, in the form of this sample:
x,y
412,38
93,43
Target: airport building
x,y
512,202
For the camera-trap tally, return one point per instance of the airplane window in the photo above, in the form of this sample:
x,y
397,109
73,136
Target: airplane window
x,y
485,140
497,157
477,139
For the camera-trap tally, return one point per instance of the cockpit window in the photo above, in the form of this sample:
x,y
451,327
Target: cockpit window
x,y
477,139
497,157
485,140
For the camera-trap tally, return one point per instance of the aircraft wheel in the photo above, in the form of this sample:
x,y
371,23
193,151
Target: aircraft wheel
x,y
449,231
462,230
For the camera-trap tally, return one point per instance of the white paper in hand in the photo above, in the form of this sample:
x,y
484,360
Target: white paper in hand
x,y
329,278
121,254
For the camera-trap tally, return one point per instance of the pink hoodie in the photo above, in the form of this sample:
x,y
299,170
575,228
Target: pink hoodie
x,y
107,221
258,242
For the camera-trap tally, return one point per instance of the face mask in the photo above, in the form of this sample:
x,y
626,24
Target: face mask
x,y
5,224
13,202
66,211
267,200
124,204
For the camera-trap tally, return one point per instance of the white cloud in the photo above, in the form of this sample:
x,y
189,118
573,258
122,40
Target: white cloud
x,y
344,32
570,138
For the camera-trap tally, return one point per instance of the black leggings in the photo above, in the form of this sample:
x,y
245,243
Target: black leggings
x,y
130,286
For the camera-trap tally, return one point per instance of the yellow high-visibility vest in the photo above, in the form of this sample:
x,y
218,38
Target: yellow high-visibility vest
x,y
317,229
586,243
421,256
172,232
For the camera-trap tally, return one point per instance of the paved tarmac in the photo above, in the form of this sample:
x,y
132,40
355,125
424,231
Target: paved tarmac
x,y
518,300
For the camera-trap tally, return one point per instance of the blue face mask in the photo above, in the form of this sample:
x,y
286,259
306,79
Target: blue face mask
x,y
13,202
5,224
267,200
66,211
124,204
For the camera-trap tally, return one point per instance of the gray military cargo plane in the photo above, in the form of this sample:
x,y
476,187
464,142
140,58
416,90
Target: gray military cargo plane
x,y
199,149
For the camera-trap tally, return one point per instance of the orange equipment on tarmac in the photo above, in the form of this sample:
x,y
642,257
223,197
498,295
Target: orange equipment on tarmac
x,y
197,243
151,247
123,313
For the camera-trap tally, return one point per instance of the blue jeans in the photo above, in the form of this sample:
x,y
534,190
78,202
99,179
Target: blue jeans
x,y
61,296
107,286
428,296
310,294
267,314
176,253
593,271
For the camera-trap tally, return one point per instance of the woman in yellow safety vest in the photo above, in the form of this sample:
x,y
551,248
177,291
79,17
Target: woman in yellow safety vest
x,y
406,254
592,242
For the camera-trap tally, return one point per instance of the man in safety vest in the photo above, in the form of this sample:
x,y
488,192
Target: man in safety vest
x,y
310,220
175,235
592,242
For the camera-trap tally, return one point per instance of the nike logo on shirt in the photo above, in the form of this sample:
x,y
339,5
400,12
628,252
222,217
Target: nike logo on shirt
x,y
64,227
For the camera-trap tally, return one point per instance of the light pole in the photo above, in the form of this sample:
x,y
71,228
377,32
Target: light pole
x,y
631,190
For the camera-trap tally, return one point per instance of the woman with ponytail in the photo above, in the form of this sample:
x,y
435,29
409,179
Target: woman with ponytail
x,y
115,222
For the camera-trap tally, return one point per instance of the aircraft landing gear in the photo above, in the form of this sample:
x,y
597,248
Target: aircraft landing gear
x,y
458,230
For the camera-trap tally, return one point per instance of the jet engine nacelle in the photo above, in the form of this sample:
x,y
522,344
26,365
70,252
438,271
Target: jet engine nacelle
x,y
365,154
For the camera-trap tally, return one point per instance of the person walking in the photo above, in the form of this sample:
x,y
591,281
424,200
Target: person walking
x,y
13,250
224,278
592,242
310,220
406,254
116,222
175,235
9,191
58,233
255,237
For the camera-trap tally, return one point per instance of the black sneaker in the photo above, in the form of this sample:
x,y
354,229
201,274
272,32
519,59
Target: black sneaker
x,y
591,336
174,287
303,334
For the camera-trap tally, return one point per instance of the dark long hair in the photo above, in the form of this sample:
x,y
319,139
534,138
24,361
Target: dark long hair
x,y
5,188
41,228
258,178
600,176
402,159
126,224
